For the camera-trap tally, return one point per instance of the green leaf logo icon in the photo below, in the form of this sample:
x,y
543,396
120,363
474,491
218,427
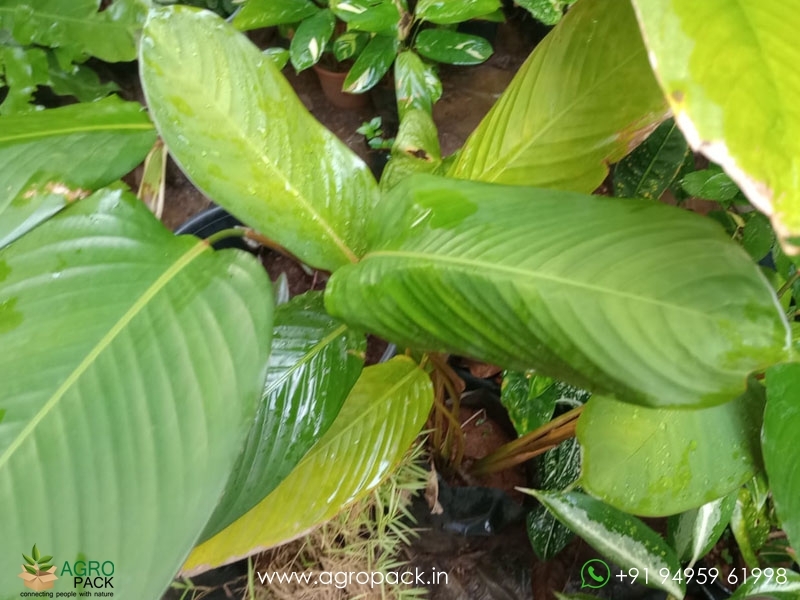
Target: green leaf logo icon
x,y
28,559
30,570
35,553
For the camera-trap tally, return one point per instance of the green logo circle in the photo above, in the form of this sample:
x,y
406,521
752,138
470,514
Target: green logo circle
x,y
595,574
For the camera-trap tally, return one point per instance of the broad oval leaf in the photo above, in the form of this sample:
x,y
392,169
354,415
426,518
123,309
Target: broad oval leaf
x,y
417,85
56,156
695,532
449,12
310,39
761,588
371,65
649,170
452,47
662,461
549,130
76,27
730,74
314,363
132,362
603,293
266,13
238,130
616,535
779,441
378,422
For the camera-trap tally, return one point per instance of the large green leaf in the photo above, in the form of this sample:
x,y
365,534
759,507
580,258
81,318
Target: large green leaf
x,y
238,130
582,100
636,297
729,70
650,169
418,86
695,532
76,27
446,13
452,47
310,39
618,536
378,422
781,422
132,362
56,156
314,363
266,13
371,65
664,461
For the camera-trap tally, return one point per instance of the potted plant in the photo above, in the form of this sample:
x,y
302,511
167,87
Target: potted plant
x,y
379,147
136,362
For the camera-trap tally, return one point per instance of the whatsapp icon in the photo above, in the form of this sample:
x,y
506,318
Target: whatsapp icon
x,y
594,574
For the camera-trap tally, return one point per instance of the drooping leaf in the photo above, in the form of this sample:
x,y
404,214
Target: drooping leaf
x,y
266,13
76,27
314,363
762,588
132,362
618,536
729,71
552,130
584,284
417,85
371,65
378,422
558,468
695,532
548,12
350,44
238,130
452,47
663,461
649,170
56,156
446,13
781,419
310,39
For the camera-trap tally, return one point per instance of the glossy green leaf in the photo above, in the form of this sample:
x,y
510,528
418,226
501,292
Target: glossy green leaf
x,y
378,422
371,65
750,525
763,588
21,71
585,284
781,422
710,184
76,27
314,363
452,47
132,363
530,399
548,12
279,56
557,469
266,13
56,156
238,130
562,131
350,44
729,70
310,39
375,16
695,532
417,85
446,12
649,170
664,461
618,536
757,236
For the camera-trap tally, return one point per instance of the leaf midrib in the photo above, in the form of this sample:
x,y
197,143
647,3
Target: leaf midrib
x,y
141,302
515,272
144,126
262,157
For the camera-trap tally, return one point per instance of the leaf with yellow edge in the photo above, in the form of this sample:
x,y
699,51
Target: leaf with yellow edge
x,y
378,422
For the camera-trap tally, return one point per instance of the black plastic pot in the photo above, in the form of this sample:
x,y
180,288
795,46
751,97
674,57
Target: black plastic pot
x,y
210,221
